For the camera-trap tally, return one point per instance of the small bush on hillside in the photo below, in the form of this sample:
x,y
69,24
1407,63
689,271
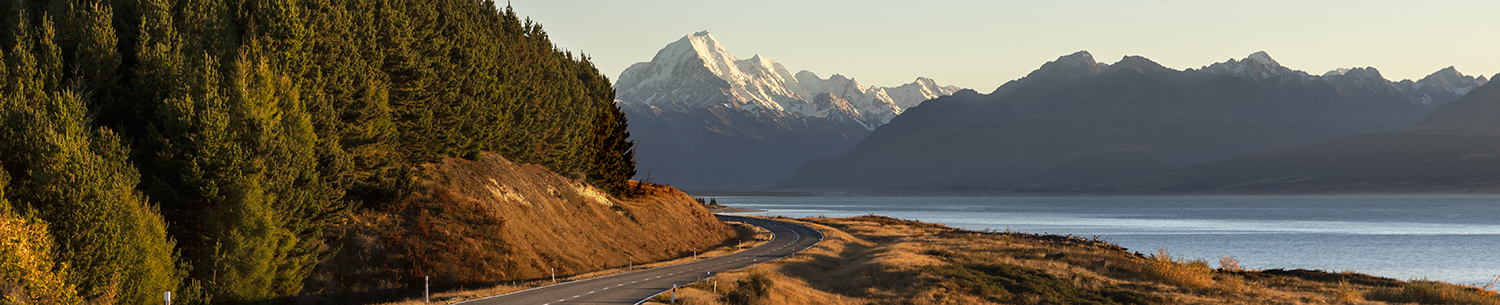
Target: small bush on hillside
x,y
1192,274
1429,292
1229,263
1347,294
751,290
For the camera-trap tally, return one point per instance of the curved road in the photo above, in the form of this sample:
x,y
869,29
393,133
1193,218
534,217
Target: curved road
x,y
631,288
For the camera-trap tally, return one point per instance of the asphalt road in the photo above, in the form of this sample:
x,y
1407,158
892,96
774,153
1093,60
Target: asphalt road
x,y
633,287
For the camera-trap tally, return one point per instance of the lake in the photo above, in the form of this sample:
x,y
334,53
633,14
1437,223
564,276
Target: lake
x,y
1451,238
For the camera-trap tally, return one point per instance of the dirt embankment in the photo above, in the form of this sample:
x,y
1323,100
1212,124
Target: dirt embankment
x,y
472,224
879,260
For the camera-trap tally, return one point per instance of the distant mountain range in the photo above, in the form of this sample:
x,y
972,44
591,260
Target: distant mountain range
x,y
703,117
1075,124
1456,148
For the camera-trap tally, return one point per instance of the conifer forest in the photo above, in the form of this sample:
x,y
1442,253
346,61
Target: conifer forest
x,y
204,146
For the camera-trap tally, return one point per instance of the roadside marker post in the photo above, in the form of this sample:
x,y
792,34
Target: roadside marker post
x,y
674,293
553,272
426,289
168,297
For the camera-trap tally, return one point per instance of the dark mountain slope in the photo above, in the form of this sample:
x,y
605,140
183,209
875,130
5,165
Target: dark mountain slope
x,y
1036,130
720,146
1456,148
1476,113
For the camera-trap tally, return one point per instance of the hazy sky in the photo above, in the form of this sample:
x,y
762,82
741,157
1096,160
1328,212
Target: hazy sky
x,y
982,44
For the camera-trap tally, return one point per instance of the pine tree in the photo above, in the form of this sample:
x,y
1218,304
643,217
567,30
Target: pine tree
x,y
27,260
79,180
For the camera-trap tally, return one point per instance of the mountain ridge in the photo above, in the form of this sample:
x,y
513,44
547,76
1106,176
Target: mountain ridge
x,y
1040,130
703,117
697,71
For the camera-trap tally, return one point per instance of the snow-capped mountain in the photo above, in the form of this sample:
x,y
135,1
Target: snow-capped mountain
x,y
1078,125
1440,87
1445,84
1258,66
696,71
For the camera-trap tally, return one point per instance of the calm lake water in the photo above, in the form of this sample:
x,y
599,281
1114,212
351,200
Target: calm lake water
x,y
1451,238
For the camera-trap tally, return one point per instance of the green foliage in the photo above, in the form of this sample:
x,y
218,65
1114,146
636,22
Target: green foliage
x,y
78,179
29,274
257,124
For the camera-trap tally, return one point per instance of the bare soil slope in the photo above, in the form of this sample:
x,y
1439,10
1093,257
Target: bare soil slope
x,y
493,221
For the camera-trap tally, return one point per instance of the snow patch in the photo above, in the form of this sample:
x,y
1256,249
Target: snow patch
x,y
698,71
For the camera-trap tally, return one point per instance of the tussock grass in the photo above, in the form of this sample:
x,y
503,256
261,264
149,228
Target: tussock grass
x,y
1007,283
1346,294
879,260
1184,273
1430,292
491,223
747,239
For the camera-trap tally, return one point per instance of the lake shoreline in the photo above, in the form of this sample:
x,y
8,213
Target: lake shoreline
x,y
1445,237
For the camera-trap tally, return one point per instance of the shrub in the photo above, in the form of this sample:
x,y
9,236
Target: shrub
x,y
1347,294
1430,292
1192,274
751,290
1229,263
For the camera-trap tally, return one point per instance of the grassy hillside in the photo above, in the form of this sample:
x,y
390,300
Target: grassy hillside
x,y
480,223
879,260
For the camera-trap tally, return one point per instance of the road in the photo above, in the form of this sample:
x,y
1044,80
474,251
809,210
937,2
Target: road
x,y
633,287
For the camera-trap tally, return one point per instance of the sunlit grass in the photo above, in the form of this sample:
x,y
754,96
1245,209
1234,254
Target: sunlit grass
x,y
1430,292
1184,273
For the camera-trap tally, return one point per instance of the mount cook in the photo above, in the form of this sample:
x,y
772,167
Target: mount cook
x,y
703,117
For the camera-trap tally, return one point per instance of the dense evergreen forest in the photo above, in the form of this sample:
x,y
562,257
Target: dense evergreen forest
x,y
203,146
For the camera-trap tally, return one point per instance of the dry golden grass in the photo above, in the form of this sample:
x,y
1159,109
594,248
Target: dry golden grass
x,y
1429,292
492,223
1192,274
878,260
749,237
1346,294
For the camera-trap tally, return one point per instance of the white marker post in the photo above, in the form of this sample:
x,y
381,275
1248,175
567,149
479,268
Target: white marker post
x,y
168,297
426,291
674,293
553,271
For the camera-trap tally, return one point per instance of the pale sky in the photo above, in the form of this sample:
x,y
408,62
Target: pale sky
x,y
982,44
